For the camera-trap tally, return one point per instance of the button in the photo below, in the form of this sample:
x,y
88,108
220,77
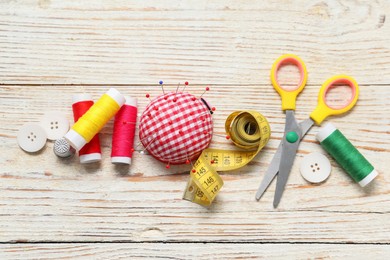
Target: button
x,y
31,137
292,137
315,167
62,148
55,124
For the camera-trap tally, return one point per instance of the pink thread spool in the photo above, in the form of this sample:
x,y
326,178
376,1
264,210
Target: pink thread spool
x,y
90,152
124,132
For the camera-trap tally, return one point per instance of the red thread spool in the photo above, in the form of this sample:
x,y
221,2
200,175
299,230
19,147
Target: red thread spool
x,y
124,132
91,151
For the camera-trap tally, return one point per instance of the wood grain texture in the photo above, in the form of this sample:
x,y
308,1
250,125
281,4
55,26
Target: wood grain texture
x,y
47,199
220,42
51,49
115,251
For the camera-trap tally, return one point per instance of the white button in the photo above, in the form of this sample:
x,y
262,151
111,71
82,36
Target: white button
x,y
31,137
315,168
55,124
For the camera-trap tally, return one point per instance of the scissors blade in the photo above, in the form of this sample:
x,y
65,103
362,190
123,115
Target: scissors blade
x,y
289,150
273,168
271,172
305,126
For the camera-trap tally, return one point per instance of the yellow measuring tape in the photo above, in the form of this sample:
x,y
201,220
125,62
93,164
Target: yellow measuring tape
x,y
248,130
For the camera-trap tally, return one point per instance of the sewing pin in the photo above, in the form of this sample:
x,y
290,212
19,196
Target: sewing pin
x,y
185,85
143,151
227,137
206,89
127,122
177,89
148,96
162,85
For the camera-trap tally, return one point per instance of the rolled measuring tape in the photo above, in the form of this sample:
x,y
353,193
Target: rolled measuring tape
x,y
347,156
248,130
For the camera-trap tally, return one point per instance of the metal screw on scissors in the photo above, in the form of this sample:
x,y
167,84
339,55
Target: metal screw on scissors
x,y
294,132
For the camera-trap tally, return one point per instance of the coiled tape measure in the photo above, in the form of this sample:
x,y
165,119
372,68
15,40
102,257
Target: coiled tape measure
x,y
248,130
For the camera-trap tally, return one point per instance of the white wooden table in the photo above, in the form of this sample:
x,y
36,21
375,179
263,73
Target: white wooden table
x,y
50,49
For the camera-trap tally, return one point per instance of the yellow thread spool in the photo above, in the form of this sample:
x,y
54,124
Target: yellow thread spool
x,y
95,118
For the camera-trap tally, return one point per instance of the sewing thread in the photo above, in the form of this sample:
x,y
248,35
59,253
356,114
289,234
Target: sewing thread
x,y
95,118
349,158
91,152
124,132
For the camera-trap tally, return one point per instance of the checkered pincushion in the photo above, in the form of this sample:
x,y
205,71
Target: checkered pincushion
x,y
176,127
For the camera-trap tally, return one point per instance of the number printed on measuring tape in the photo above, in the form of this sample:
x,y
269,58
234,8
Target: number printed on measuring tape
x,y
248,130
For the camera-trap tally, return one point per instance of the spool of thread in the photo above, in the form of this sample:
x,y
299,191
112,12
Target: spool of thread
x,y
95,118
91,151
349,158
124,132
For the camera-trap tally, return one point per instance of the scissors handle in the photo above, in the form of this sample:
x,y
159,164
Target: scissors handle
x,y
288,96
324,110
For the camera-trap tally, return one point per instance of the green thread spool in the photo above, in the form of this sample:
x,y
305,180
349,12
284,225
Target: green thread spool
x,y
349,158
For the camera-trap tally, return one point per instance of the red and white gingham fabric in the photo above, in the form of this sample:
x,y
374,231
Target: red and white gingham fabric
x,y
176,127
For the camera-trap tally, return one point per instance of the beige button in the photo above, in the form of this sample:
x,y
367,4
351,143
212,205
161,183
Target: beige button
x,y
31,137
55,124
315,167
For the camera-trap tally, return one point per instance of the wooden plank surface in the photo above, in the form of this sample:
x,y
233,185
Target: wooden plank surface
x,y
58,200
52,49
220,42
194,251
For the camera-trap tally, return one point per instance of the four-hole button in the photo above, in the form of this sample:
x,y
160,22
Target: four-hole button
x,y
315,167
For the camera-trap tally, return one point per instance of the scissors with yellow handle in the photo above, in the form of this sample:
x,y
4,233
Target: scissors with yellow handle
x,y
294,132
